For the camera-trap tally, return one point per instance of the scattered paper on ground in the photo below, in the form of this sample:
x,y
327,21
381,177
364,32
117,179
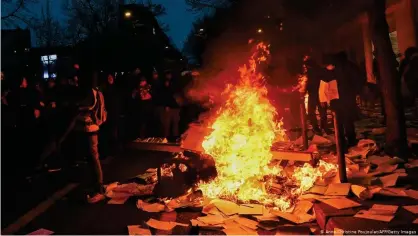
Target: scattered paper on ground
x,y
341,203
318,189
384,169
211,219
118,201
41,232
297,219
380,209
302,207
369,215
389,180
413,208
226,207
150,207
137,230
392,192
246,222
267,216
412,193
206,226
339,189
361,192
162,225
250,209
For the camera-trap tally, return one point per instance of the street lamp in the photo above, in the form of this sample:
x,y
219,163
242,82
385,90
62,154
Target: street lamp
x,y
260,30
128,14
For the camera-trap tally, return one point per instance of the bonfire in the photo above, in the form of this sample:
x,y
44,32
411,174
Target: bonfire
x,y
243,131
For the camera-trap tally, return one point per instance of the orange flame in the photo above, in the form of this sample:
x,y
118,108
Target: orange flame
x,y
243,133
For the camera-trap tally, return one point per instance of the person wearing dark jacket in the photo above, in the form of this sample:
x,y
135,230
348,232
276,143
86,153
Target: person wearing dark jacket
x,y
312,87
113,104
143,106
338,68
156,102
87,130
170,109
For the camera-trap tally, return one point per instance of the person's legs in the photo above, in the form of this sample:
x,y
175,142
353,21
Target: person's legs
x,y
312,104
95,166
350,133
324,119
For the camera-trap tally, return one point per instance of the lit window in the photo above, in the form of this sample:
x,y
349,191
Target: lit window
x,y
153,31
201,30
166,47
128,14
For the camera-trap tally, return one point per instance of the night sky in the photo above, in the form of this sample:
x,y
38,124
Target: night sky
x,y
178,18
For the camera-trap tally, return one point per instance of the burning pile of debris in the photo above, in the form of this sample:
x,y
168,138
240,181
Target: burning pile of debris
x,y
247,176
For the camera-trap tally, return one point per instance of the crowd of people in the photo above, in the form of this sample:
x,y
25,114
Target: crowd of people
x,y
68,113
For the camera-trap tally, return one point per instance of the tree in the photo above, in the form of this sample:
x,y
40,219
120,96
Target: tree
x,y
48,30
89,18
15,12
396,143
202,5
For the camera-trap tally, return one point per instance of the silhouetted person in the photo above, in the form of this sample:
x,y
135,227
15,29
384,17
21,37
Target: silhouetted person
x,y
344,72
143,104
170,112
156,102
87,128
312,87
113,106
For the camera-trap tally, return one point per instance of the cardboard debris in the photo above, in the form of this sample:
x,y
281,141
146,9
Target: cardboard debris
x,y
226,207
389,180
250,209
134,189
163,225
137,230
117,195
202,225
111,186
413,209
267,216
361,192
338,189
118,201
384,169
392,192
380,209
412,193
369,215
297,219
302,207
340,203
41,232
211,209
378,160
318,189
150,207
211,219
363,148
412,163
246,222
